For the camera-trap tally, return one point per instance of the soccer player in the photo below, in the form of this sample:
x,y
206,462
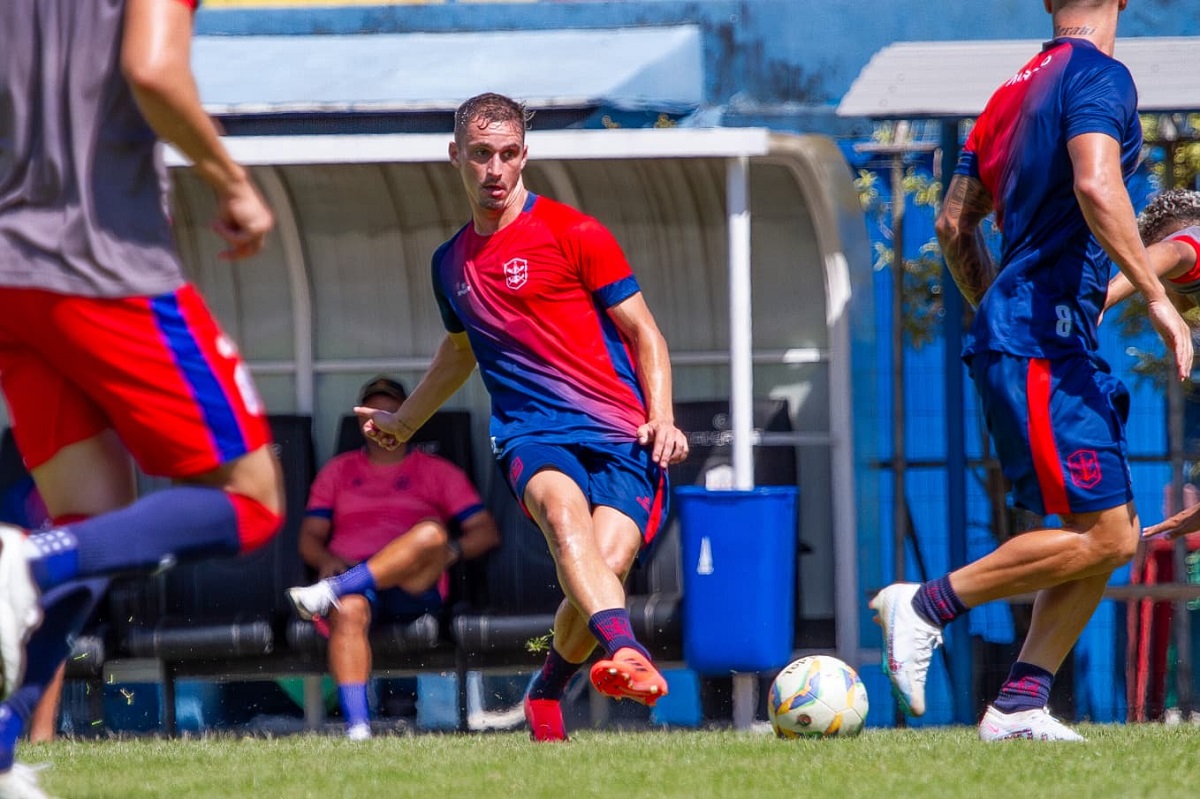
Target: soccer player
x,y
1049,156
106,352
542,298
1170,227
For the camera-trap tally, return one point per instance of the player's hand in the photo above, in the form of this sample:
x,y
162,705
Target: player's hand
x,y
668,443
1182,523
382,427
1174,332
243,220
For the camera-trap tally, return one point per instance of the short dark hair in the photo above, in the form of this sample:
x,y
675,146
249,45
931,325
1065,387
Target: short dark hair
x,y
489,108
1170,211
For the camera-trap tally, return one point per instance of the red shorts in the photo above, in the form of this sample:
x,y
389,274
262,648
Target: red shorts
x,y
157,370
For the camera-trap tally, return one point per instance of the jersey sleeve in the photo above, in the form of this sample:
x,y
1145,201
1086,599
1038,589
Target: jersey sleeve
x,y
1100,100
192,4
457,495
323,492
603,268
450,319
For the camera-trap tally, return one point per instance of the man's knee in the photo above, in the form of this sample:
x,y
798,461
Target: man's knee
x,y
1112,539
353,615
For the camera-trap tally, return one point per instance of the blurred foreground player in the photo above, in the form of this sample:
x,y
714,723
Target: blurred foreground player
x,y
1049,156
542,298
106,352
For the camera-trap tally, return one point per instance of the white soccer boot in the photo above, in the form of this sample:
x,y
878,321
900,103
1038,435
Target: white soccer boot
x,y
19,611
908,644
1033,725
358,732
21,782
312,600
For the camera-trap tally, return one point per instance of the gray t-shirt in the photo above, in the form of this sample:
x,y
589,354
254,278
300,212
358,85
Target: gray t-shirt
x,y
82,182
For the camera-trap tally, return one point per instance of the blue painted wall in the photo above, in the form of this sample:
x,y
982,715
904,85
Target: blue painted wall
x,y
780,62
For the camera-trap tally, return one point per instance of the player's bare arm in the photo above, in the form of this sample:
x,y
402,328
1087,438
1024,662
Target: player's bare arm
x,y
451,366
156,62
961,237
637,325
1168,259
1105,203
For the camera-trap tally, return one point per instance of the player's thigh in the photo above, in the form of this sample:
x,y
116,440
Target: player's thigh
x,y
78,462
550,483
619,538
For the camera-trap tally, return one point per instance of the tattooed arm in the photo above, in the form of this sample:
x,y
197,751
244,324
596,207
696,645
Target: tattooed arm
x,y
967,203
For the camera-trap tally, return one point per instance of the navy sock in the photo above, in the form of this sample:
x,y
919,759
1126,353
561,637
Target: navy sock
x,y
355,706
1027,688
65,609
551,681
613,630
180,523
357,580
937,603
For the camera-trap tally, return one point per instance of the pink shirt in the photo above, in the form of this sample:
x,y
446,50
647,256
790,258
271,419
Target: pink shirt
x,y
371,504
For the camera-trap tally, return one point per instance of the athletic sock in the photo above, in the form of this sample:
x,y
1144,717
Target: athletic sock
x,y
936,602
357,580
178,523
551,681
66,610
1027,688
356,708
614,631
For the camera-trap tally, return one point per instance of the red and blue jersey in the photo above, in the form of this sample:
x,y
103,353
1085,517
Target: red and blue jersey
x,y
1053,278
533,300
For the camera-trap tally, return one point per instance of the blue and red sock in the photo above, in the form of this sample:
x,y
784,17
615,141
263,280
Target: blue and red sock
x,y
551,682
614,631
937,603
178,523
1027,688
356,580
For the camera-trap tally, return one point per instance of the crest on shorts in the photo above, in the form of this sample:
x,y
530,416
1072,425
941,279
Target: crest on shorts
x,y
1085,468
516,273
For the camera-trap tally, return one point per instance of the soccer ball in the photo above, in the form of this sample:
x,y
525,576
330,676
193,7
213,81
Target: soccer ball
x,y
817,697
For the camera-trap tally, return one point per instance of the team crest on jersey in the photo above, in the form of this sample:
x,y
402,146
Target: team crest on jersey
x,y
516,273
1085,468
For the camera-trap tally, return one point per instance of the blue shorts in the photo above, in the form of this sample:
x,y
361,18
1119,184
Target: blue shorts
x,y
396,604
1059,430
617,475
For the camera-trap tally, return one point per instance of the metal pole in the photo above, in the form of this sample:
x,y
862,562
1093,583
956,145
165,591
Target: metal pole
x,y
899,464
1180,616
741,383
958,639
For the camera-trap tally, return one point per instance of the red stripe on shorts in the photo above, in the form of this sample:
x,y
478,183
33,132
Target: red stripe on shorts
x,y
1046,461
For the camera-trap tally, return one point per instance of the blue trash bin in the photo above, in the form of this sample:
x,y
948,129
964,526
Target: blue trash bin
x,y
739,578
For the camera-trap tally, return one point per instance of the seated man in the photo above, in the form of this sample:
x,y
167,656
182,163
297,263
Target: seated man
x,y
405,508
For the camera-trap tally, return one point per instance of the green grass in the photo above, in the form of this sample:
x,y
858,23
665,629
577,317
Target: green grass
x,y
1118,761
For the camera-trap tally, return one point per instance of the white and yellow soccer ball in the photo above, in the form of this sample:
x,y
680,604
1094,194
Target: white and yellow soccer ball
x,y
817,697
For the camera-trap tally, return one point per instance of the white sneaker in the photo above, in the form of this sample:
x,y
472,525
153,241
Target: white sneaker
x,y
312,600
19,611
1035,725
908,644
21,782
358,732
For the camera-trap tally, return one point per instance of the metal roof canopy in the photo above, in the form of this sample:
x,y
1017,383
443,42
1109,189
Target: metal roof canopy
x,y
632,68
913,80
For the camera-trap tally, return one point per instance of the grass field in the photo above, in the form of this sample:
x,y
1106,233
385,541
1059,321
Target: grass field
x,y
1118,761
